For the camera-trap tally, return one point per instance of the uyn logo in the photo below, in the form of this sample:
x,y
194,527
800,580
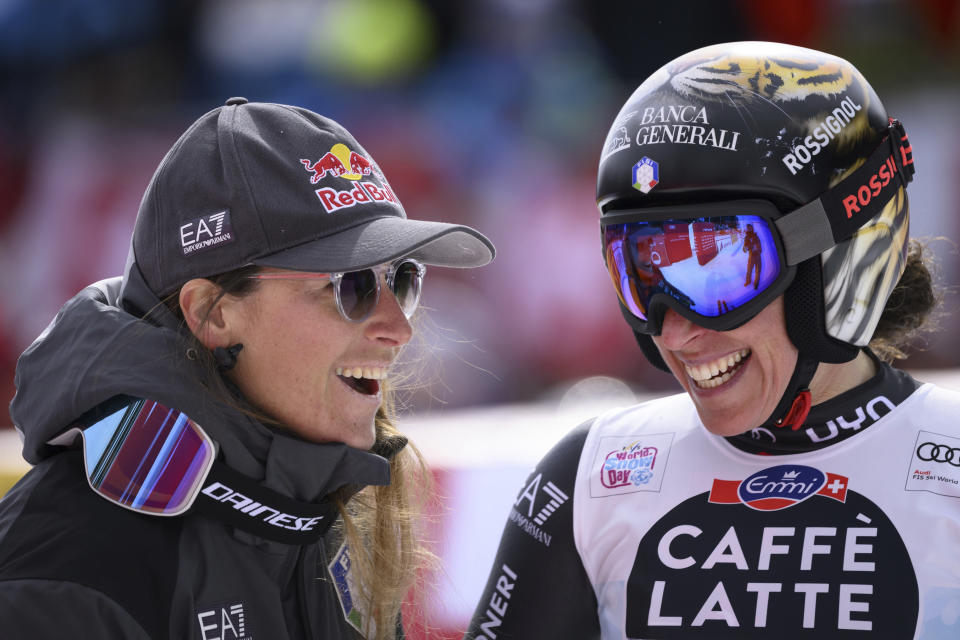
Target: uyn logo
x,y
205,232
223,623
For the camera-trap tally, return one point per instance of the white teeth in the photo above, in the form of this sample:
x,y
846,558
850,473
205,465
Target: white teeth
x,y
714,382
706,375
370,373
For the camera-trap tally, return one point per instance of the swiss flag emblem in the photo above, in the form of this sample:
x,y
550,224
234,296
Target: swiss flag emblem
x,y
836,487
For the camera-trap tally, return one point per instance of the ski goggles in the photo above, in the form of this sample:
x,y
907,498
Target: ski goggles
x,y
154,460
719,263
143,456
358,292
717,267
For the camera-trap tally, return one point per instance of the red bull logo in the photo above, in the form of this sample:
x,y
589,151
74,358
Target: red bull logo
x,y
779,487
334,200
341,162
329,163
359,165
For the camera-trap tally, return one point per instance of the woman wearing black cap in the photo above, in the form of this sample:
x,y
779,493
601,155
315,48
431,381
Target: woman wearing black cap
x,y
213,433
801,486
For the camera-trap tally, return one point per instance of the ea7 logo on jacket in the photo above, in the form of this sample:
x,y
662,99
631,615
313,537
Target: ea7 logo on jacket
x,y
533,495
223,623
779,487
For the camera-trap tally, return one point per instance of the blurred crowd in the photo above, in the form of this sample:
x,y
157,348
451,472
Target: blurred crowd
x,y
487,112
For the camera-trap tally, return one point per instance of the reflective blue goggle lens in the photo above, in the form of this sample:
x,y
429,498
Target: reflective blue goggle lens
x,y
710,266
147,457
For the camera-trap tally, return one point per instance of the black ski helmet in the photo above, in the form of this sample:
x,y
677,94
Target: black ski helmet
x,y
788,125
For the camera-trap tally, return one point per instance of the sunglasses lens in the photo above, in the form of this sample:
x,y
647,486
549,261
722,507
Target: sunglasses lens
x,y
709,265
358,293
407,285
147,457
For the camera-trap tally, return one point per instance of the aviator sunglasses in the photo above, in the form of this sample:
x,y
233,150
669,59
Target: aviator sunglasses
x,y
358,292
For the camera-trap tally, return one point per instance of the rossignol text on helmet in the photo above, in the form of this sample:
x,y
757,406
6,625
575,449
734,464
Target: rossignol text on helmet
x,y
746,170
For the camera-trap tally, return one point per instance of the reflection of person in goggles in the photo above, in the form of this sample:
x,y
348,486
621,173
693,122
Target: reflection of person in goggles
x,y
236,382
688,257
751,245
696,263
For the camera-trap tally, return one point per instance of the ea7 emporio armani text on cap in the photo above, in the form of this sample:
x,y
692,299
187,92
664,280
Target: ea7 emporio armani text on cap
x,y
279,186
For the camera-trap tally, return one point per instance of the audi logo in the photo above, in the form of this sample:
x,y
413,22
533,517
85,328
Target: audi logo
x,y
933,452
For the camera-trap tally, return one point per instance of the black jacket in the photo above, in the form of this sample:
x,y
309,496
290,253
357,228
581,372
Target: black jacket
x,y
75,565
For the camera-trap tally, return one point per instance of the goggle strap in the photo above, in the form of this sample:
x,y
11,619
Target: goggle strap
x,y
837,214
242,502
806,232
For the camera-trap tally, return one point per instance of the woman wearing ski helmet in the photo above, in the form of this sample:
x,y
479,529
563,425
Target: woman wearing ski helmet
x,y
800,485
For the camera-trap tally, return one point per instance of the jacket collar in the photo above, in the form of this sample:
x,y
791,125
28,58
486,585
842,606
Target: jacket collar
x,y
94,350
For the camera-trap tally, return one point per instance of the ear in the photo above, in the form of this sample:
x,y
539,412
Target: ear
x,y
206,322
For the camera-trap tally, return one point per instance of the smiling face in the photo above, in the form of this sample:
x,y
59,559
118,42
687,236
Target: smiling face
x,y
305,365
735,378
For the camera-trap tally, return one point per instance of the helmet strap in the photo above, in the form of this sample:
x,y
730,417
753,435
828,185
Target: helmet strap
x,y
794,405
806,325
840,211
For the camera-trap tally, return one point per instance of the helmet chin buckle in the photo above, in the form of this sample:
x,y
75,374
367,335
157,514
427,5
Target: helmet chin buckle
x,y
795,404
799,410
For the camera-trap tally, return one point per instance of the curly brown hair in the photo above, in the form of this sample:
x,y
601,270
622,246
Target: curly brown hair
x,y
910,312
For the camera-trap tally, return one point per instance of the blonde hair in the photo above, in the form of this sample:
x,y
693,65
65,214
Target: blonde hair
x,y
383,528
381,525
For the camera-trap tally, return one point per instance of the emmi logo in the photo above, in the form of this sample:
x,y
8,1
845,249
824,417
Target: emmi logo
x,y
223,623
205,232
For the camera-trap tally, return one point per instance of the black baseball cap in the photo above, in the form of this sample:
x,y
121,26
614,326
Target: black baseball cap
x,y
280,186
